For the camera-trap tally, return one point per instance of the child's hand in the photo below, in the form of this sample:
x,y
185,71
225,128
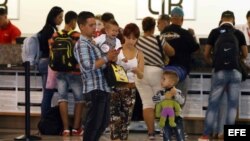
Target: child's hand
x,y
158,97
173,91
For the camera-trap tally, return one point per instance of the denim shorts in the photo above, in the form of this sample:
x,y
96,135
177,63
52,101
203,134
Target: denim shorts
x,y
65,81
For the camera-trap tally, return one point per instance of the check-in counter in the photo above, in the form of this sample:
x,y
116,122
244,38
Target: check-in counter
x,y
12,92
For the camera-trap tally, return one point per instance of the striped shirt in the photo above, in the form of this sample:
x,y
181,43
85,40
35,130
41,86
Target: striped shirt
x,y
86,54
149,46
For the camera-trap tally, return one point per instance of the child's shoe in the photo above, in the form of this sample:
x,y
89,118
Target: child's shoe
x,y
77,132
203,138
66,133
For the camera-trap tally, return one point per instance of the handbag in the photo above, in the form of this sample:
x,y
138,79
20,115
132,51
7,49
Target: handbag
x,y
51,79
115,75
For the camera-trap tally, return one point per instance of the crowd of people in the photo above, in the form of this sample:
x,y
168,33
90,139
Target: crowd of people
x,y
156,66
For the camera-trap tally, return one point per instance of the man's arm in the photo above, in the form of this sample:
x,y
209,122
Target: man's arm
x,y
207,54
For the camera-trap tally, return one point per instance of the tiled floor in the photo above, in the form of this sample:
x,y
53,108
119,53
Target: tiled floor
x,y
10,135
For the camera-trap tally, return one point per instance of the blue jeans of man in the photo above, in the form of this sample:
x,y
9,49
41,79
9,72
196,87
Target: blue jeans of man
x,y
223,80
47,93
178,130
98,114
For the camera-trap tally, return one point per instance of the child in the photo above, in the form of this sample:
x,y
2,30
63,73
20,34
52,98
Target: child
x,y
109,40
172,95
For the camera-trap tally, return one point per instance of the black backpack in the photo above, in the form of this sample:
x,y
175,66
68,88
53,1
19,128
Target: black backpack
x,y
62,53
226,51
51,123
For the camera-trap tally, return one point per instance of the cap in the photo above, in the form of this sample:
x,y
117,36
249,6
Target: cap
x,y
177,11
178,70
227,14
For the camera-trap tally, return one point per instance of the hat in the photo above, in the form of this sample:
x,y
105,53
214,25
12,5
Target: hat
x,y
181,73
177,11
227,14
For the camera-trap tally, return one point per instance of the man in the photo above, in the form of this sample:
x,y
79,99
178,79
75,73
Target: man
x,y
225,80
184,44
162,22
95,87
8,31
70,79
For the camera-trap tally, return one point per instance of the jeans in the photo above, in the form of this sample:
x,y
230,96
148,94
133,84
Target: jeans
x,y
221,116
66,81
178,130
98,114
47,93
223,80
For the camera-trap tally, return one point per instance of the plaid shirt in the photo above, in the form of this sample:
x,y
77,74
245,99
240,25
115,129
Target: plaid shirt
x,y
86,54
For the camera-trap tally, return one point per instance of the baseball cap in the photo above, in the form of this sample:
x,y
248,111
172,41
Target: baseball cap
x,y
177,11
227,14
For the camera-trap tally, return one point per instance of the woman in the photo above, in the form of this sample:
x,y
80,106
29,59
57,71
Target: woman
x,y
54,18
150,84
123,100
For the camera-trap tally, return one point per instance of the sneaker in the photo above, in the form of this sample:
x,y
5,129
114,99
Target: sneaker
x,y
203,138
77,132
66,133
151,136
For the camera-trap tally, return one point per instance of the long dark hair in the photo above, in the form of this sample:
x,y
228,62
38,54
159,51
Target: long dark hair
x,y
53,13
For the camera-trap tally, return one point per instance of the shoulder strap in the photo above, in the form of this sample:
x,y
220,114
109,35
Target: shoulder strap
x,y
161,48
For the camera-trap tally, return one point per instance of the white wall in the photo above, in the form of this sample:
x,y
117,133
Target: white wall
x,y
33,12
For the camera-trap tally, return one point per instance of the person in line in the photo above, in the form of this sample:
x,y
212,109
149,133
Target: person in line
x,y
123,100
54,18
223,79
95,88
162,22
148,85
8,31
245,28
99,25
66,80
168,82
184,44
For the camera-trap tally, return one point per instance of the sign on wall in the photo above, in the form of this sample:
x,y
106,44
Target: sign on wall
x,y
155,8
12,6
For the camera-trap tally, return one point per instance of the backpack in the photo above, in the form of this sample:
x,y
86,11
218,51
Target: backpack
x,y
226,51
31,49
51,123
62,53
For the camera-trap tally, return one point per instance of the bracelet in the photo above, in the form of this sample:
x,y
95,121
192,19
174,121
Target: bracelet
x,y
105,58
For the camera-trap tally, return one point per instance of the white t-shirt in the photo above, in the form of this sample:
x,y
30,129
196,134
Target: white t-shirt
x,y
105,43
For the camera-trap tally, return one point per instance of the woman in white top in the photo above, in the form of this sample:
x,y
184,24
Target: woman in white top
x,y
123,100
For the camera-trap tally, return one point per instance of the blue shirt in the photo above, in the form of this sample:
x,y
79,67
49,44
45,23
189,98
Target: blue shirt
x,y
86,54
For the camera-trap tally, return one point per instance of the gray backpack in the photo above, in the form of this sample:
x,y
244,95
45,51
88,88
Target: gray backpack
x,y
31,49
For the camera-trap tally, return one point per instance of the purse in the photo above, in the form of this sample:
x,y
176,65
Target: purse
x,y
115,75
51,79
